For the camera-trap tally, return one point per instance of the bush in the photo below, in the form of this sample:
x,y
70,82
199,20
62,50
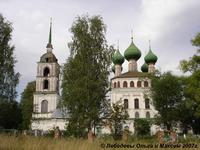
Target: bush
x,y
142,127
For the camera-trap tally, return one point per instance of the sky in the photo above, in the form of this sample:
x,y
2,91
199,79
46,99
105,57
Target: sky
x,y
168,24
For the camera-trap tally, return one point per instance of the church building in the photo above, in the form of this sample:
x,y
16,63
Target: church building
x,y
132,88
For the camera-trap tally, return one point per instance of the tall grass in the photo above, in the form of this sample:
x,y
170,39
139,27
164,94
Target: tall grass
x,y
44,143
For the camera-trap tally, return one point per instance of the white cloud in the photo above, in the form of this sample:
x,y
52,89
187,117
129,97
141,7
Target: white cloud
x,y
170,24
155,14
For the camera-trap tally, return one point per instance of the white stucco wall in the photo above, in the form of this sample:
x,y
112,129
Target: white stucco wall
x,y
48,124
52,99
132,93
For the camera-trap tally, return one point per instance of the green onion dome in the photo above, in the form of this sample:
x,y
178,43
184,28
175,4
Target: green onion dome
x,y
118,58
150,57
144,67
132,52
113,69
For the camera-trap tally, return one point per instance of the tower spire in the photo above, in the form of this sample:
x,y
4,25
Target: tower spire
x,y
149,45
50,31
49,45
132,35
118,45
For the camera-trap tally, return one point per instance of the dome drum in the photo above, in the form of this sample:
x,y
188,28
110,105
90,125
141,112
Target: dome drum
x,y
132,66
118,70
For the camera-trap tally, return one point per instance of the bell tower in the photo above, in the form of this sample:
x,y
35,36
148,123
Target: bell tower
x,y
46,96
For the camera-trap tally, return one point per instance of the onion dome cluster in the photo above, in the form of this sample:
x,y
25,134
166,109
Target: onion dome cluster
x,y
133,53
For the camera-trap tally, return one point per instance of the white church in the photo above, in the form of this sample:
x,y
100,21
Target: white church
x,y
131,87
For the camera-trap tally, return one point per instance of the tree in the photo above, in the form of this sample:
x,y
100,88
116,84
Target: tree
x,y
9,108
10,114
167,95
142,127
192,88
193,64
117,117
85,74
8,78
26,104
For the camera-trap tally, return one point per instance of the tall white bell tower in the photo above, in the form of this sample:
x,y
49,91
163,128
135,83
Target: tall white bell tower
x,y
47,96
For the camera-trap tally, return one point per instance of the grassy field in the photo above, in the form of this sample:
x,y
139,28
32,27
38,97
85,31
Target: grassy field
x,y
39,143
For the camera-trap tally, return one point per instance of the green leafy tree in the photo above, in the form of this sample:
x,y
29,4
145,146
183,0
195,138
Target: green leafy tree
x,y
192,88
26,104
116,118
9,108
193,64
167,95
142,127
10,114
8,78
85,75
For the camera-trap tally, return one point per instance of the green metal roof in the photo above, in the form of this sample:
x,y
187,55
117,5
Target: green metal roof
x,y
132,74
144,67
132,52
118,58
150,57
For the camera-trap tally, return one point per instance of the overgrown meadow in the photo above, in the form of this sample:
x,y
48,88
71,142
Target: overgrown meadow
x,y
44,143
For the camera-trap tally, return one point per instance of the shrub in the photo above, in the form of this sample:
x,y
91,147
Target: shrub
x,y
142,127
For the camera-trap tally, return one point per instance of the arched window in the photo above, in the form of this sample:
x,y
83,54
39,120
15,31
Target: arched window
x,y
131,84
136,103
139,84
44,106
46,84
115,84
47,59
124,84
147,105
137,115
126,103
46,72
147,114
146,84
118,84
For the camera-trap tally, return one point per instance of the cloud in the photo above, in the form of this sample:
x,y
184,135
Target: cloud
x,y
169,24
